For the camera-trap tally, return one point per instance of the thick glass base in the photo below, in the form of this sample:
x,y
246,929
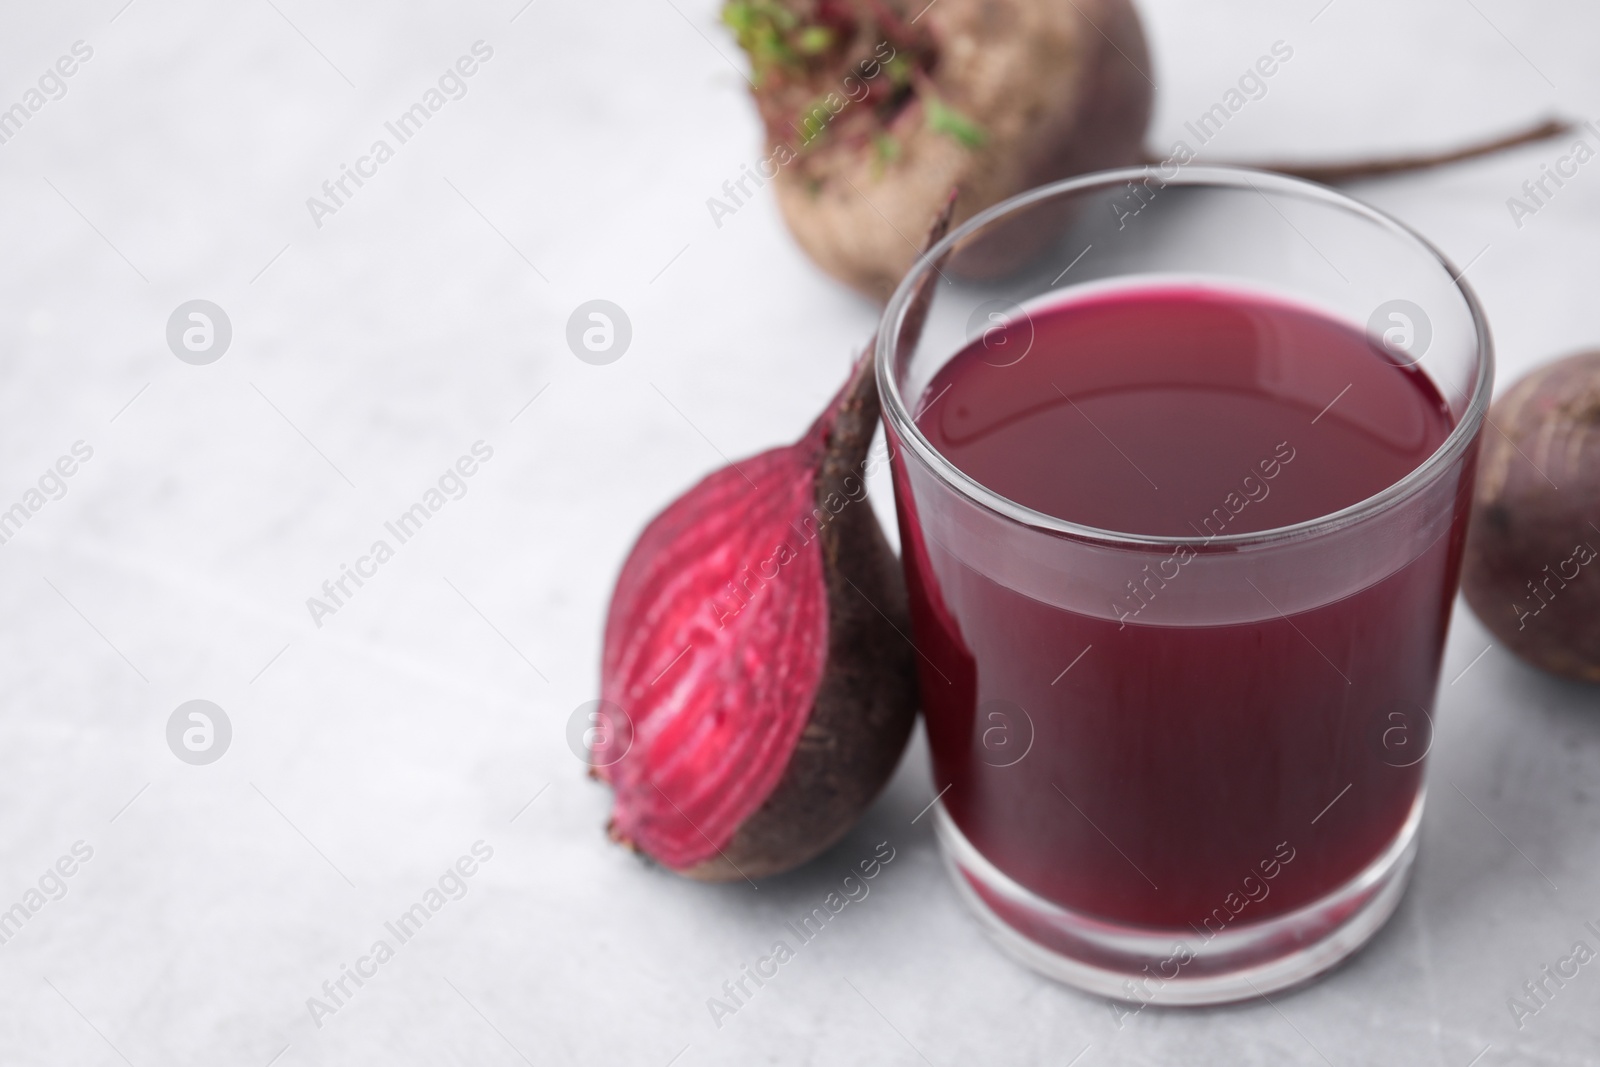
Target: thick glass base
x,y
1180,966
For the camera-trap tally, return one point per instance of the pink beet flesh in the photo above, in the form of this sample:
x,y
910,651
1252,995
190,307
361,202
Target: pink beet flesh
x,y
715,646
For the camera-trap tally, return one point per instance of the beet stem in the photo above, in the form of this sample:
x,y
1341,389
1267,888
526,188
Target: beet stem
x,y
1340,173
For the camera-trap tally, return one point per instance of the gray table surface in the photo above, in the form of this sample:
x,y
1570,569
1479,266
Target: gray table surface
x,y
429,713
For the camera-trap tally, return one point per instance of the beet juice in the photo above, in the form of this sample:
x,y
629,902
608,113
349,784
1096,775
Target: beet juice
x,y
1140,760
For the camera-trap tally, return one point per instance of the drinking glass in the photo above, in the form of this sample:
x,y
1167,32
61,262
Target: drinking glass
x,y
1220,798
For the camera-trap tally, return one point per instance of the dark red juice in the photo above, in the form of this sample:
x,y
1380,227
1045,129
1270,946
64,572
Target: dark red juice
x,y
1172,766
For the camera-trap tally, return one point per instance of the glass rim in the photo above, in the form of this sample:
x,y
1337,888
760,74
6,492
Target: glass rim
x,y
1239,178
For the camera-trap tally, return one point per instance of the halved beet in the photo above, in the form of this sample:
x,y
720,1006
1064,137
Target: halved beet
x,y
757,645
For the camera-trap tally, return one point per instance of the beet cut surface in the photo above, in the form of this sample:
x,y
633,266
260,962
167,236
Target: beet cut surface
x,y
756,641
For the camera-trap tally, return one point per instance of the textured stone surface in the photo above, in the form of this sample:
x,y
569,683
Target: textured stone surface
x,y
369,754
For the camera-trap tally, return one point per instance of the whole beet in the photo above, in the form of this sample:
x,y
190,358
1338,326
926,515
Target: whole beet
x,y
1530,573
875,109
